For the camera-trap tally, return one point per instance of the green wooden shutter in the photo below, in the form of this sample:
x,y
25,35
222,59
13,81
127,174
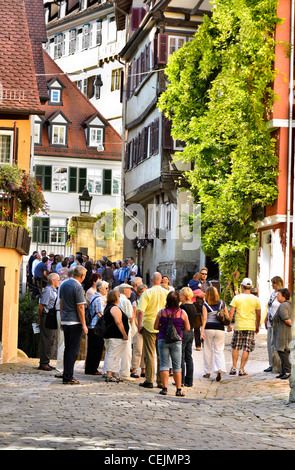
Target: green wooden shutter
x,y
39,174
107,181
82,179
47,178
35,227
45,230
73,180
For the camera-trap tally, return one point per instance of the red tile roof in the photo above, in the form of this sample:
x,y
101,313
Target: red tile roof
x,y
19,90
77,109
37,28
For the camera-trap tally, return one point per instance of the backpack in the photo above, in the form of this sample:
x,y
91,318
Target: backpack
x,y
100,328
88,316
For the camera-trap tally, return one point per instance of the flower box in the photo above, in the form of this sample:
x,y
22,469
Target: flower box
x,y
2,236
11,237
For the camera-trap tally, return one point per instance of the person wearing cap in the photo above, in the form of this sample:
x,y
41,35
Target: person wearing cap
x,y
247,310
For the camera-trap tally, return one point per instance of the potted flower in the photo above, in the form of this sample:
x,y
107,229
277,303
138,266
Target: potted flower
x,y
21,193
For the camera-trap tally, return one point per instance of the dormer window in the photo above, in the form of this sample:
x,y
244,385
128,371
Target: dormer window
x,y
58,129
95,132
55,96
96,137
38,125
55,92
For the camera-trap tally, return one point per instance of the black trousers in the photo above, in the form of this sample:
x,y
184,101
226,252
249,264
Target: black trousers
x,y
95,346
286,366
72,335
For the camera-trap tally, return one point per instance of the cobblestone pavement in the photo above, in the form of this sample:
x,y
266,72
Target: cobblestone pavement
x,y
244,413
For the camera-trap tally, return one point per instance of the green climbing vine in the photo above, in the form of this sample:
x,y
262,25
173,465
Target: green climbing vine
x,y
218,95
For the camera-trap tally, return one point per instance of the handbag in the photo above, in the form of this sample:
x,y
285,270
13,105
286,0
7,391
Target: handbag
x,y
222,317
171,335
50,319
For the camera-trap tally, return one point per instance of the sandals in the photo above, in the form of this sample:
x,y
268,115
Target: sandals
x,y
113,379
233,371
179,393
163,391
242,372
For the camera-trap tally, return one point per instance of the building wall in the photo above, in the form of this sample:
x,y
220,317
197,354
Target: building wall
x,y
23,127
10,260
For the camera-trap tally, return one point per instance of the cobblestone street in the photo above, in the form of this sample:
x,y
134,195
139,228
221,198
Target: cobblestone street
x,y
244,413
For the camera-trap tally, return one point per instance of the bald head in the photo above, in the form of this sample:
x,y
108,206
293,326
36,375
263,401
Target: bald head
x,y
156,279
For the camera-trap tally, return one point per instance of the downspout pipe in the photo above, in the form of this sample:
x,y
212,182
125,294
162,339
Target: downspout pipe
x,y
291,398
290,152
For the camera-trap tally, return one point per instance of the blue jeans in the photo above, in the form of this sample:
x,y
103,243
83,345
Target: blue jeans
x,y
187,363
169,351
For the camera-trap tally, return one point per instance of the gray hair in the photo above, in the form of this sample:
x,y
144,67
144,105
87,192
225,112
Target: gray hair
x,y
51,277
79,271
101,284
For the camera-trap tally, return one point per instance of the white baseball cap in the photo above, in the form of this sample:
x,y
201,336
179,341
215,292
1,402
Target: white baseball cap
x,y
246,282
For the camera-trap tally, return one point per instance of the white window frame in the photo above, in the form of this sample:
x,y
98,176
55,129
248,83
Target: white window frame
x,y
8,133
112,29
116,79
37,135
58,231
59,127
99,140
94,178
60,180
177,46
116,176
52,91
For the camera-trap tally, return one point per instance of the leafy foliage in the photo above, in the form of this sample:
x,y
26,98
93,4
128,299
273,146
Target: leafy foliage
x,y
219,91
28,313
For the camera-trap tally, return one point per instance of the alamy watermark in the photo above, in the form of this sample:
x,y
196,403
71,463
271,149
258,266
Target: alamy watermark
x,y
143,224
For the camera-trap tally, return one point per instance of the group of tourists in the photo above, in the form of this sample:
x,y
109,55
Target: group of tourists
x,y
148,328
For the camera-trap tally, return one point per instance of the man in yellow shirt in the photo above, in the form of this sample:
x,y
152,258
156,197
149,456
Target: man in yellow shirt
x,y
151,301
247,322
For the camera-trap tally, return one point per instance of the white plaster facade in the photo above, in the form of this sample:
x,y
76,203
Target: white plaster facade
x,y
85,44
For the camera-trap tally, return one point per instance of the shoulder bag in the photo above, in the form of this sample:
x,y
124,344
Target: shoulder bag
x,y
50,319
171,335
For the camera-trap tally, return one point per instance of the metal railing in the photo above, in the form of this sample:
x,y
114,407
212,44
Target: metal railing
x,y
8,207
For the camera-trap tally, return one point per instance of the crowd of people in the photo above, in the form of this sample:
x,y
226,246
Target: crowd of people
x,y
143,323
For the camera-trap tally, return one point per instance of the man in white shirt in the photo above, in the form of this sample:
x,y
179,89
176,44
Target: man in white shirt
x,y
133,269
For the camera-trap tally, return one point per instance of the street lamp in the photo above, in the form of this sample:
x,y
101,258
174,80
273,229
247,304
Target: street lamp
x,y
85,201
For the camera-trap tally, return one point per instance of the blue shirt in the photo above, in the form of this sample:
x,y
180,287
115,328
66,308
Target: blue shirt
x,y
194,285
48,297
39,270
123,274
96,305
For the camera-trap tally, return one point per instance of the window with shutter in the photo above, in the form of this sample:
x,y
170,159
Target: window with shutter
x,y
162,48
40,229
167,139
43,174
107,182
72,41
98,32
58,46
82,179
135,18
86,36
